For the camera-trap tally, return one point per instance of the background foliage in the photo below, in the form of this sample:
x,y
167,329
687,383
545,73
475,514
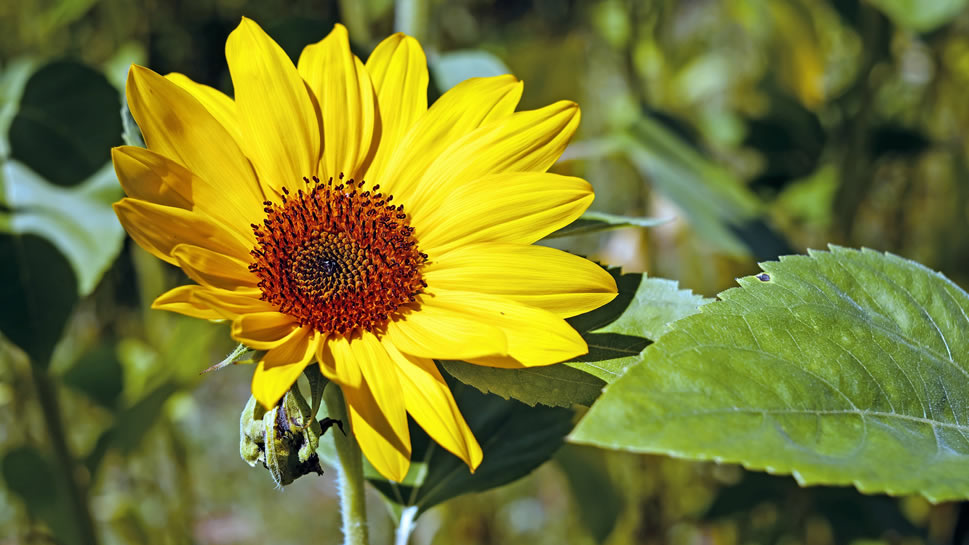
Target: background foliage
x,y
758,128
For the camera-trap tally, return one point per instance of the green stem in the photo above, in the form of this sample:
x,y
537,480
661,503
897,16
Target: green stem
x,y
353,505
73,478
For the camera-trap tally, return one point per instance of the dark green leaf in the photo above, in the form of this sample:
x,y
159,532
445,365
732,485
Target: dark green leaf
x,y
30,475
596,498
98,374
67,122
515,439
552,385
38,291
842,367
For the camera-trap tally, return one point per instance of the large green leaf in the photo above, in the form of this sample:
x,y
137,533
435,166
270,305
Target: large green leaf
x,y
78,220
842,367
38,291
66,123
920,15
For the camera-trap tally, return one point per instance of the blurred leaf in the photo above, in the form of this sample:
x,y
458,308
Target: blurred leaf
x,y
78,220
891,139
919,15
133,422
30,475
130,133
595,222
598,501
38,291
842,367
67,122
98,374
13,78
552,385
717,204
453,67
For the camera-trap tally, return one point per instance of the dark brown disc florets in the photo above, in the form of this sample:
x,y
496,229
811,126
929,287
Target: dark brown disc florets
x,y
337,258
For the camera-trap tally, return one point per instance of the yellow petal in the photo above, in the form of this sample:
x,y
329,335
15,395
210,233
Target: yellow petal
x,y
265,330
148,176
559,282
281,367
337,361
398,69
524,141
430,402
534,336
175,124
277,119
159,229
182,301
351,129
517,207
380,375
222,108
214,269
441,331
469,105
388,453
232,304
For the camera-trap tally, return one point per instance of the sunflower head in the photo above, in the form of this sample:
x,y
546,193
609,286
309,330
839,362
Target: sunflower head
x,y
335,219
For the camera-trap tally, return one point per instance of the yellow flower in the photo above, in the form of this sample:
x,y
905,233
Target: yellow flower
x,y
332,216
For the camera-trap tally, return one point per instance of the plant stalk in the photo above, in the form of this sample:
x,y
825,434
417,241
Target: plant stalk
x,y
410,17
353,505
76,489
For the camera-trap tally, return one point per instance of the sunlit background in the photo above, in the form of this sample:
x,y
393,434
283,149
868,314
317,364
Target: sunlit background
x,y
756,127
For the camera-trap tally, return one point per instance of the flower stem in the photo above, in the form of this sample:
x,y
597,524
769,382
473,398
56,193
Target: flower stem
x,y
353,505
73,476
406,525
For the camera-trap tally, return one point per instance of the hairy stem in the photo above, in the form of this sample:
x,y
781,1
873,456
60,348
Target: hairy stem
x,y
353,505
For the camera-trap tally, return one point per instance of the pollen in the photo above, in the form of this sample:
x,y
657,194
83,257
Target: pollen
x,y
336,257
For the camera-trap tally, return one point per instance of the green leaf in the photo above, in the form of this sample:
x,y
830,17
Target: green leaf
x,y
920,15
552,385
842,367
79,220
67,122
596,222
30,475
716,203
453,67
98,374
38,291
657,303
597,499
13,78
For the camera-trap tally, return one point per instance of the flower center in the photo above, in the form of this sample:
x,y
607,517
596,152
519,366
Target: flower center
x,y
337,258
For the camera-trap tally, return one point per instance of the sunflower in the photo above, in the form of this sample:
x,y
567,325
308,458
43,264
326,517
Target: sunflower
x,y
333,217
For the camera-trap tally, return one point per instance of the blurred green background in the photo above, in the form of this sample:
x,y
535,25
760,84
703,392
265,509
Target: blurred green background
x,y
759,127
